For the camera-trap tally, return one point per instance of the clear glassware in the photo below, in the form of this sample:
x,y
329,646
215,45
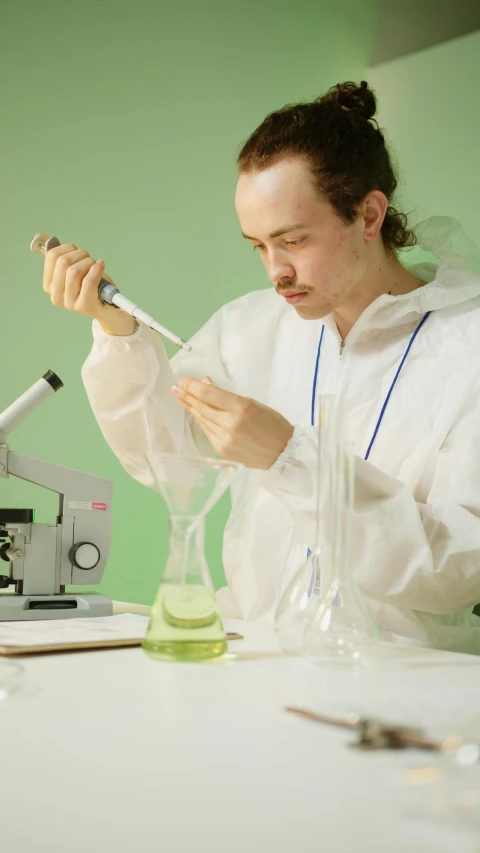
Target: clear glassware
x,y
185,623
445,786
300,600
10,678
341,632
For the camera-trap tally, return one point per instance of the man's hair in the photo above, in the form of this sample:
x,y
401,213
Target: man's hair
x,y
345,149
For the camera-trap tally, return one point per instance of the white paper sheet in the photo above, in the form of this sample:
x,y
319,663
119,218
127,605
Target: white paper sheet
x,y
60,632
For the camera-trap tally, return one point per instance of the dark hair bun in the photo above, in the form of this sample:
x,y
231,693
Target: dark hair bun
x,y
359,99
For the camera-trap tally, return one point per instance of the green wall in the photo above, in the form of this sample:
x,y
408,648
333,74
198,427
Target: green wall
x,y
429,106
120,124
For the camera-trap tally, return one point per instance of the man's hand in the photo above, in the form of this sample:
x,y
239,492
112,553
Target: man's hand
x,y
239,429
71,278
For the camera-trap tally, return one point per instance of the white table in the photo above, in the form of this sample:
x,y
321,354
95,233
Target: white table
x,y
112,751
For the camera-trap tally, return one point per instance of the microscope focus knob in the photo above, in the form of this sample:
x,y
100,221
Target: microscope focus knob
x,y
84,555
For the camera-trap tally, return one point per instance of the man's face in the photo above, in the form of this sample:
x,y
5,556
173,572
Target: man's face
x,y
310,255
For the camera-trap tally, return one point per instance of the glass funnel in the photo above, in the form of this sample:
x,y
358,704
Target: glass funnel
x,y
300,601
341,633
185,623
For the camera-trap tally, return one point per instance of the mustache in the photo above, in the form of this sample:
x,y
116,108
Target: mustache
x,y
286,288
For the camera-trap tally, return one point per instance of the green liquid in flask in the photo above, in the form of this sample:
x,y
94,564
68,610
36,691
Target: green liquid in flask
x,y
185,625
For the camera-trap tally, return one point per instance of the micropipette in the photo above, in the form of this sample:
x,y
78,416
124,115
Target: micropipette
x,y
109,294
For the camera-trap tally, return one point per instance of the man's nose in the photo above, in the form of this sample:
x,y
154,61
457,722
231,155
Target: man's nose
x,y
278,269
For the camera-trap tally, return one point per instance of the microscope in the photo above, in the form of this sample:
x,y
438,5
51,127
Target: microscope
x,y
40,560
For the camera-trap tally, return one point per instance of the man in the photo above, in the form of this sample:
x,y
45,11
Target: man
x,y
399,345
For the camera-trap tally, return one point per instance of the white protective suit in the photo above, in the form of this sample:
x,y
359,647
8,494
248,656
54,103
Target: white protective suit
x,y
417,507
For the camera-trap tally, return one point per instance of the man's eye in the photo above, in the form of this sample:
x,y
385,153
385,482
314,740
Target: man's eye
x,y
258,246
294,242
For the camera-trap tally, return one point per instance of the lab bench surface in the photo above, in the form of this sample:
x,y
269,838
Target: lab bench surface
x,y
112,752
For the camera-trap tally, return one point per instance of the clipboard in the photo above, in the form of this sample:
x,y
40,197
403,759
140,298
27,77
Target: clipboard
x,y
29,637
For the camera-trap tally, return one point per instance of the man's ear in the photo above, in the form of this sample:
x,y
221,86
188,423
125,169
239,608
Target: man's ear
x,y
375,206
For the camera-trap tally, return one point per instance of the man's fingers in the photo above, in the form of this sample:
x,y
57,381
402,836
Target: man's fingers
x,y
205,409
212,430
208,413
74,281
216,405
50,262
189,399
217,436
62,267
88,301
209,393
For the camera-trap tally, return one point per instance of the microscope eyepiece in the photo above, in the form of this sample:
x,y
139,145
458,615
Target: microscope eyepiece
x,y
53,380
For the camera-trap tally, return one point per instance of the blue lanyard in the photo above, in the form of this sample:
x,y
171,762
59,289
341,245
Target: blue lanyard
x,y
382,411
392,386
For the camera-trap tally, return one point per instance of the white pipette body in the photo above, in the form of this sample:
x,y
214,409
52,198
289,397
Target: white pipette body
x,y
130,308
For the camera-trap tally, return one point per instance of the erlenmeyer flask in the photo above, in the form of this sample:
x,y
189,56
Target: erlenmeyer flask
x,y
341,632
300,601
185,623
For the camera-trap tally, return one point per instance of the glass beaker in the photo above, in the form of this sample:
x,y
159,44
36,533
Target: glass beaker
x,y
342,633
10,679
444,786
185,623
300,601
